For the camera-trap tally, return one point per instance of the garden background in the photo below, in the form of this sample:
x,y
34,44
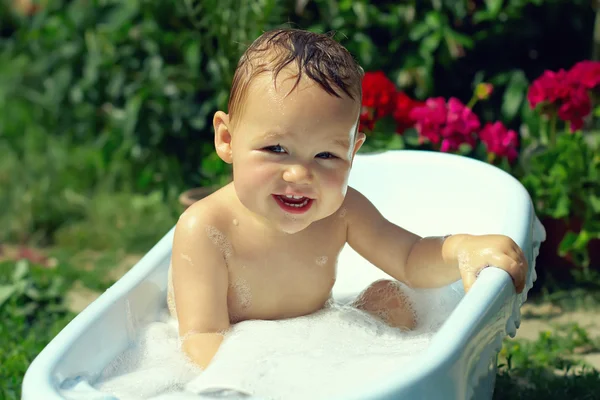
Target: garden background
x,y
105,120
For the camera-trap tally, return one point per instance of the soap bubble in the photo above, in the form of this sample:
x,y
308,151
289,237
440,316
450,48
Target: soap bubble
x,y
321,261
220,240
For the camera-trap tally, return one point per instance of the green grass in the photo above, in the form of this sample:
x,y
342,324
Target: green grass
x,y
550,367
32,313
581,292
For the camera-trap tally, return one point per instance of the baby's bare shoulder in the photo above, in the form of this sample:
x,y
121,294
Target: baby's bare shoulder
x,y
210,212
354,202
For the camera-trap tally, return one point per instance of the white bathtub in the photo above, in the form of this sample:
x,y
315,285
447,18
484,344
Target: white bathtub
x,y
426,192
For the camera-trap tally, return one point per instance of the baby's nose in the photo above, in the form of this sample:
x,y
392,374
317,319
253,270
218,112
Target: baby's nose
x,y
298,174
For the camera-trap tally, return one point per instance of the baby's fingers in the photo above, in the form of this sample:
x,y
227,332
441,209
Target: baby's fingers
x,y
468,279
517,269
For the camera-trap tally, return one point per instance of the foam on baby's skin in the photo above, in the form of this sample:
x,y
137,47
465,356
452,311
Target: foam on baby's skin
x,y
187,258
343,212
319,356
236,222
388,301
242,293
464,260
321,261
220,240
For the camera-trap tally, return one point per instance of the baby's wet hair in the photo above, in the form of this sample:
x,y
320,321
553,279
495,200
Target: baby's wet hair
x,y
318,56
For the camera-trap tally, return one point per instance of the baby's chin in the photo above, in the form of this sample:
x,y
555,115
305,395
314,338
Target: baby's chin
x,y
293,228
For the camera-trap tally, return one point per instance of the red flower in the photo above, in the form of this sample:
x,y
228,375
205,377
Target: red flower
x,y
561,91
379,99
450,125
576,109
551,87
500,141
404,105
586,73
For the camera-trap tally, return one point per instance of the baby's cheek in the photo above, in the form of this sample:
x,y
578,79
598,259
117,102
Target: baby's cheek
x,y
337,181
253,175
336,187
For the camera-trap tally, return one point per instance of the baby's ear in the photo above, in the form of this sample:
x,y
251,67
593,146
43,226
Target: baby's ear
x,y
222,136
360,139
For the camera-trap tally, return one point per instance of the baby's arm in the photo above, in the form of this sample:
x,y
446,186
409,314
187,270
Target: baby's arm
x,y
427,262
200,282
418,262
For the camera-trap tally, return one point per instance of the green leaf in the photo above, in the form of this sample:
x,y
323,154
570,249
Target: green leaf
x,y
464,40
418,31
494,7
594,202
33,293
430,44
481,16
433,19
21,270
514,94
582,240
562,208
6,291
27,309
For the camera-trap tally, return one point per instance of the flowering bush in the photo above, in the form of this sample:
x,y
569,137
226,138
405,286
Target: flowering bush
x,y
439,124
555,154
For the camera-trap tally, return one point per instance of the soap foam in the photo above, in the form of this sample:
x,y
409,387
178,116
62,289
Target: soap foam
x,y
220,240
321,261
242,293
187,258
339,349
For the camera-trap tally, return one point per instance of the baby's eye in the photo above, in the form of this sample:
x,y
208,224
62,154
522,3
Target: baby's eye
x,y
275,149
326,155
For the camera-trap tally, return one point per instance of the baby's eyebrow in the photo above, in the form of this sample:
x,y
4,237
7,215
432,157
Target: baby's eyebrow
x,y
272,135
345,143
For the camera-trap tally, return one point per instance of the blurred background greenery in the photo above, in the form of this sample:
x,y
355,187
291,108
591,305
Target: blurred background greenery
x,y
106,107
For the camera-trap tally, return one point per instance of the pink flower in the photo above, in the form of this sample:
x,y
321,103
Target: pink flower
x,y
560,91
550,87
500,141
575,108
585,73
450,124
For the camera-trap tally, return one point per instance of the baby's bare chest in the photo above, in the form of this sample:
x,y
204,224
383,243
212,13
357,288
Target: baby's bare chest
x,y
282,278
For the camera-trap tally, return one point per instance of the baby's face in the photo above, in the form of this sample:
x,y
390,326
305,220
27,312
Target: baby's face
x,y
299,145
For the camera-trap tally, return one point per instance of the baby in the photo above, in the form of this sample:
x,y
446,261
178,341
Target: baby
x,y
266,245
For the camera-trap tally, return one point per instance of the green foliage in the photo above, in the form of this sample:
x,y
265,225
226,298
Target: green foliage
x,y
549,367
57,186
32,314
446,47
104,96
138,79
128,221
561,171
552,349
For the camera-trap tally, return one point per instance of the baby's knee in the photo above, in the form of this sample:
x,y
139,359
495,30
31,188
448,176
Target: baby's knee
x,y
386,300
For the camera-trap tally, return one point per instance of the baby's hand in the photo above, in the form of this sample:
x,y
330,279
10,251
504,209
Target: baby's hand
x,y
477,252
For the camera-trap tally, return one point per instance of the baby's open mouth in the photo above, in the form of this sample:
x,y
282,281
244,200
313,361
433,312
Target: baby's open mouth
x,y
293,204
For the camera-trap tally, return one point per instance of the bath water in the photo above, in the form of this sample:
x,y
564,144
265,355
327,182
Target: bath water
x,y
337,350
